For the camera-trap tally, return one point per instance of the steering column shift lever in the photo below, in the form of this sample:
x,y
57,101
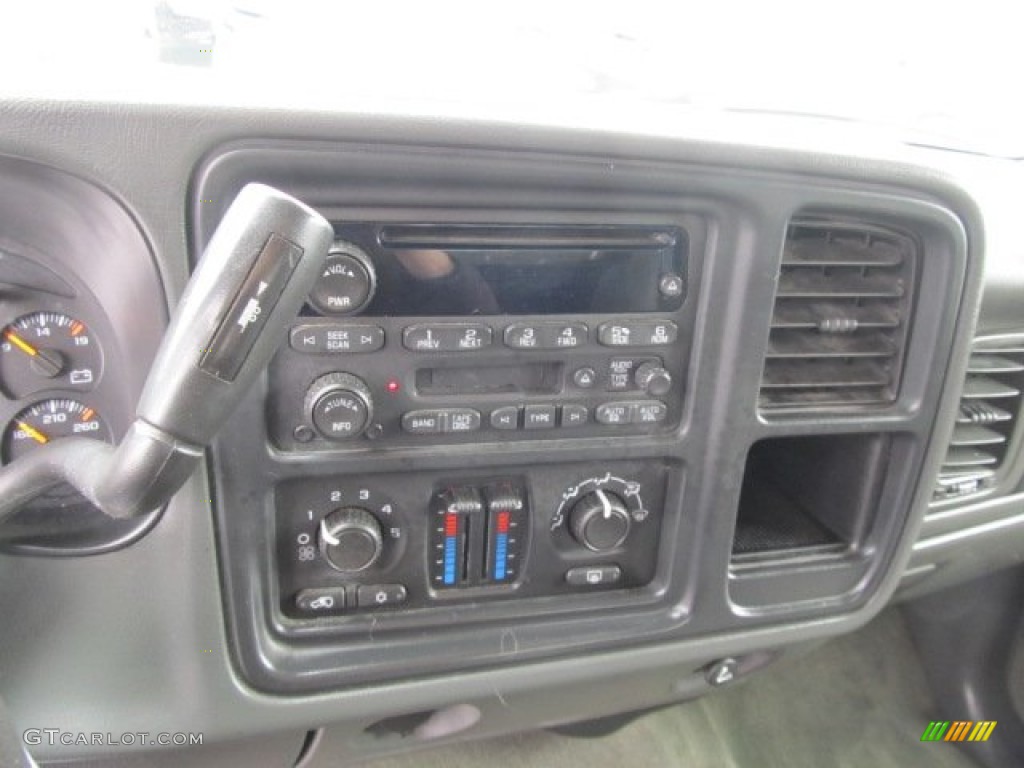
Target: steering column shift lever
x,y
249,284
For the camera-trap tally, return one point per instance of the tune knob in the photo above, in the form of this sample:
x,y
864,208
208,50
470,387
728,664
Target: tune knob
x,y
653,379
599,521
339,405
350,539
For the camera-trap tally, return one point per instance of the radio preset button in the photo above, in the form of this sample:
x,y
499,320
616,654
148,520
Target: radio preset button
x,y
449,337
423,422
637,333
505,418
574,415
567,336
545,335
614,414
539,417
523,336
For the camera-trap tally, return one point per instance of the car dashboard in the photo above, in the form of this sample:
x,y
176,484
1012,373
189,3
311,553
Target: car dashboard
x,y
575,421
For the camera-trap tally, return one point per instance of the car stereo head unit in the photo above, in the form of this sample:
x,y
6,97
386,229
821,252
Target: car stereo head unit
x,y
420,333
455,271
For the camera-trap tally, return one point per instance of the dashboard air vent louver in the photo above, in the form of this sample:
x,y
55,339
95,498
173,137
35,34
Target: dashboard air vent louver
x,y
989,406
842,309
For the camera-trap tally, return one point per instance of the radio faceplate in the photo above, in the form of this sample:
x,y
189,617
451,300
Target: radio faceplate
x,y
401,396
373,373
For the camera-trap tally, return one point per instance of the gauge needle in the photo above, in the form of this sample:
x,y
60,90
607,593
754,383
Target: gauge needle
x,y
45,363
32,432
20,343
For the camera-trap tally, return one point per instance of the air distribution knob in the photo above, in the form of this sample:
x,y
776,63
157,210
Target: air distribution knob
x,y
339,405
350,539
599,521
653,379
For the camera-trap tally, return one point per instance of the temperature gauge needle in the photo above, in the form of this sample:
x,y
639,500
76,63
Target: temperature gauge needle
x,y
32,432
44,362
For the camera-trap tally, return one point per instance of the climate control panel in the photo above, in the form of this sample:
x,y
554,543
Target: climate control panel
x,y
354,546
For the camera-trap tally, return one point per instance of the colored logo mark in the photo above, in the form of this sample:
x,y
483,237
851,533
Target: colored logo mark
x,y
958,730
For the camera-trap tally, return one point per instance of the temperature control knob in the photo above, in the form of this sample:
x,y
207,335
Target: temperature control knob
x,y
350,539
339,405
653,379
599,521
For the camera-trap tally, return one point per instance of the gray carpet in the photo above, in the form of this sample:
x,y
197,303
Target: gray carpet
x,y
858,702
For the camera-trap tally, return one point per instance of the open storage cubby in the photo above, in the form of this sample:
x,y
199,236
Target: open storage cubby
x,y
808,496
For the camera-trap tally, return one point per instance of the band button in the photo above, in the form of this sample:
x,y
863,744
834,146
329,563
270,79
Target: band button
x,y
423,422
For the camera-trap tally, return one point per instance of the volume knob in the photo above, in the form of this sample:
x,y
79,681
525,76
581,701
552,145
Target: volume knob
x,y
599,521
350,539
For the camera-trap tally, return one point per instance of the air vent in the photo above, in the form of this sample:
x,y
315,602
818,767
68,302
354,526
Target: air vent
x,y
989,406
842,308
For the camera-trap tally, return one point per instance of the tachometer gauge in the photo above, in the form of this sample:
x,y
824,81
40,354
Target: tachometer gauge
x,y
47,350
51,420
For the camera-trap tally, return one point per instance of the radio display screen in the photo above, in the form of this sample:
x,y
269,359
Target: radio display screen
x,y
465,272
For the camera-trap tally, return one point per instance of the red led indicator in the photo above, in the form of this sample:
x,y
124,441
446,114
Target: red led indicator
x,y
451,524
503,522
392,386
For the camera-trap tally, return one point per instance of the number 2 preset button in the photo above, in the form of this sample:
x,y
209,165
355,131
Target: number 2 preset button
x,y
447,337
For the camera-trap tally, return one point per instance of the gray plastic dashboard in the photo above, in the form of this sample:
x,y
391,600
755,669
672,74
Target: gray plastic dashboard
x,y
138,640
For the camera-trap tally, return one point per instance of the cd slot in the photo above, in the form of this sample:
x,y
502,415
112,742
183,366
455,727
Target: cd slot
x,y
492,236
